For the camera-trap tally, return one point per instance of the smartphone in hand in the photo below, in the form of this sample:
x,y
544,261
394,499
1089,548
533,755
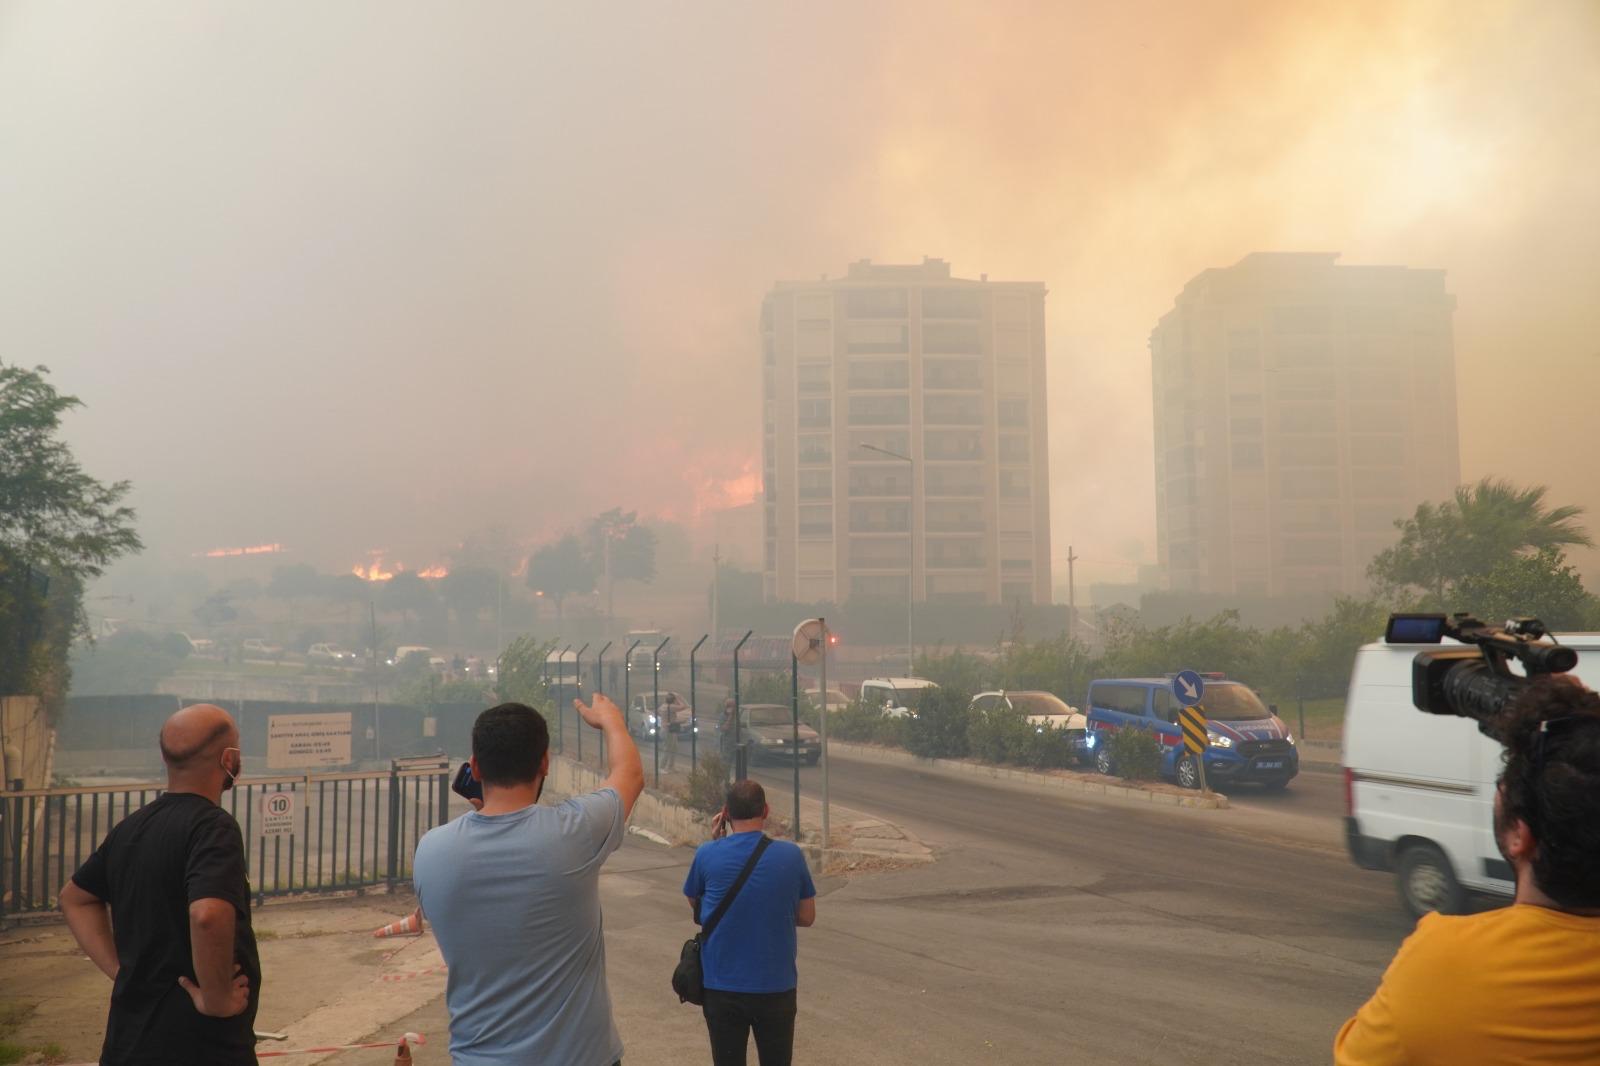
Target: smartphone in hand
x,y
465,785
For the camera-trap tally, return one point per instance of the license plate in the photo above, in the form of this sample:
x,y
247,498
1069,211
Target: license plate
x,y
1273,764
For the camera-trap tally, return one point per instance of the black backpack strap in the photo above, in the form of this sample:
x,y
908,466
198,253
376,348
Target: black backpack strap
x,y
727,901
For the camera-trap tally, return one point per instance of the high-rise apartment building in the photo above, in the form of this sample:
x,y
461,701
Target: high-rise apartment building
x,y
1300,408
948,375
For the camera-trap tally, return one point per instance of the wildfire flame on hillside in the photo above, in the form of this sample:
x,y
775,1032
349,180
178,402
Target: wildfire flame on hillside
x,y
254,549
377,570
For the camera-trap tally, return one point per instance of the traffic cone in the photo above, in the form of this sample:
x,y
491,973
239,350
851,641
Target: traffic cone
x,y
410,925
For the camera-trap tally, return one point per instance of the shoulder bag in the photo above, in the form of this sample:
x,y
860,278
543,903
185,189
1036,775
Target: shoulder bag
x,y
688,980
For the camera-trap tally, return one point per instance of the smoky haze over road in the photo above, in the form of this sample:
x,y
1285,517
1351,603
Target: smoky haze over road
x,y
379,275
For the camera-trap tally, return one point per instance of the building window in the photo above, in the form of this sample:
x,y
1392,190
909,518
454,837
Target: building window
x,y
814,414
897,441
952,444
813,377
880,374
1011,308
876,337
879,587
952,338
956,588
816,448
880,517
952,554
953,481
1014,413
880,410
1299,421
1245,427
813,341
1308,451
1312,551
1015,484
952,374
1016,592
816,520
952,410
816,484
890,481
876,303
1247,455
886,553
954,518
1014,448
952,303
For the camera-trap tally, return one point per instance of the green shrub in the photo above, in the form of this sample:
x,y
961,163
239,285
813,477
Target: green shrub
x,y
706,790
1135,754
1007,736
870,725
939,729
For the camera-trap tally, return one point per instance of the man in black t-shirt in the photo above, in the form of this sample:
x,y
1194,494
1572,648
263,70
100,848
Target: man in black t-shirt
x,y
163,908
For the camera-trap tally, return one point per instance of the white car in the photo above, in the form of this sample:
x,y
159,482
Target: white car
x,y
258,648
836,701
1043,710
897,696
329,653
1420,787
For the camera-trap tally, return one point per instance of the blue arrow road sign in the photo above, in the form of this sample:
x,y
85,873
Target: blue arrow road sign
x,y
1189,687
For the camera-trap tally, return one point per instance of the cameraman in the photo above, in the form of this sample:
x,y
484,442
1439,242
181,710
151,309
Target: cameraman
x,y
1520,984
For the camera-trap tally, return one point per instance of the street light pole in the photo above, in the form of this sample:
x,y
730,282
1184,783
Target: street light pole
x,y
911,546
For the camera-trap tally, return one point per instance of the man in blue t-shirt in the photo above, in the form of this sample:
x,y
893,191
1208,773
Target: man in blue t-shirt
x,y
748,961
513,894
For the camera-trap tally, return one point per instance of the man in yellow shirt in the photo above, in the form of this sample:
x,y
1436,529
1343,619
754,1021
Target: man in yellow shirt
x,y
1521,984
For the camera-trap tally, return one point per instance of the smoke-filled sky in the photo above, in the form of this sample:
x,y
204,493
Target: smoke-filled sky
x,y
359,275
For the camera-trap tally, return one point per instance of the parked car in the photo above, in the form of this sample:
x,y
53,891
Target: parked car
x,y
201,646
1420,788
769,728
836,700
1043,710
1245,739
896,696
406,651
330,653
258,648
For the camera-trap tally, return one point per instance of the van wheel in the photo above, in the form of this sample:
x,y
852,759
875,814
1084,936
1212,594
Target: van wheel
x,y
1103,763
1427,883
1188,772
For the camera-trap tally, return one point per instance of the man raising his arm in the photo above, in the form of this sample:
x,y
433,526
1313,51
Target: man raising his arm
x,y
513,893
163,908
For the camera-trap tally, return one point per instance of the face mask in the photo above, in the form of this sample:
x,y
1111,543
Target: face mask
x,y
233,774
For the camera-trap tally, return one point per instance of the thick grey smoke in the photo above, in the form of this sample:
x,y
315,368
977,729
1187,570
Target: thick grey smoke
x,y
376,275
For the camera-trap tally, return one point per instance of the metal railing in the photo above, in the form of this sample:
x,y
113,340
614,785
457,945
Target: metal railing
x,y
348,831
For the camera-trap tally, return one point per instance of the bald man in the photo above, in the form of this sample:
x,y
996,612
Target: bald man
x,y
163,908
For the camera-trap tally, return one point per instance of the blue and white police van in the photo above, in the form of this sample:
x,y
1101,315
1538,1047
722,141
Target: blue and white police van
x,y
1245,740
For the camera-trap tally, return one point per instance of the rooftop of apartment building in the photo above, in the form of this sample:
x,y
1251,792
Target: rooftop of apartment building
x,y
1292,271
865,271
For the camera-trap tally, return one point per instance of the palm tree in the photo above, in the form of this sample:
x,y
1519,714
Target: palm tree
x,y
1498,520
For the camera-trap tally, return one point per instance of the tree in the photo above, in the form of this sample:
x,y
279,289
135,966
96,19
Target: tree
x,y
469,590
59,527
1543,585
620,548
295,582
560,570
1481,527
406,592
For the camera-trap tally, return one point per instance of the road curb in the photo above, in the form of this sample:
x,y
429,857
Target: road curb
x,y
1082,784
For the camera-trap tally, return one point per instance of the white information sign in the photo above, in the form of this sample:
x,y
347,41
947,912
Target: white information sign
x,y
297,741
277,814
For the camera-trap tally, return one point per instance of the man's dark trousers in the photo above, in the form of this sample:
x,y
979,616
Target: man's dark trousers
x,y
730,1016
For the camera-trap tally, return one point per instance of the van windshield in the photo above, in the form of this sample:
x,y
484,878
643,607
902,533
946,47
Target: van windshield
x,y
1038,703
1233,703
909,698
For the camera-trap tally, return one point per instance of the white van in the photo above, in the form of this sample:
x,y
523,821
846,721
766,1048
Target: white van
x,y
897,696
1419,788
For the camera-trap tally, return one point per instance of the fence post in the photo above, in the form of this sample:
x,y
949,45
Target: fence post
x,y
394,823
741,770
794,707
694,712
444,795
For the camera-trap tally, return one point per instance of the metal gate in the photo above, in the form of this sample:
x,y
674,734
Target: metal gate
x,y
344,831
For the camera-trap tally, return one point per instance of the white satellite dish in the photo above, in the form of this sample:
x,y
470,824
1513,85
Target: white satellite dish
x,y
809,638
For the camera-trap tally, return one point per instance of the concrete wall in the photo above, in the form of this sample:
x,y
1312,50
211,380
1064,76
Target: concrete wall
x,y
655,811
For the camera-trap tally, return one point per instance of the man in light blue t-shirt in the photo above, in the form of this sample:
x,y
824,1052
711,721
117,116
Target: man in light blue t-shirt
x,y
748,961
513,894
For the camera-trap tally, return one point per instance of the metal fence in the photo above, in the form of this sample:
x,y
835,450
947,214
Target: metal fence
x,y
344,831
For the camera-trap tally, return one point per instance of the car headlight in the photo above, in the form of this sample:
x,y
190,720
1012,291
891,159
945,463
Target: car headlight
x,y
652,719
1290,738
1090,739
1217,740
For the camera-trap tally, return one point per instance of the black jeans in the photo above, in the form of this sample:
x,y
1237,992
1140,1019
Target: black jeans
x,y
730,1016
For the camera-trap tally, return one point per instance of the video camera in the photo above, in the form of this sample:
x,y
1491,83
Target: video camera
x,y
1476,681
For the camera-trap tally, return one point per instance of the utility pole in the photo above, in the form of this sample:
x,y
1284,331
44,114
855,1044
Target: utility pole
x,y
377,734
1072,593
716,584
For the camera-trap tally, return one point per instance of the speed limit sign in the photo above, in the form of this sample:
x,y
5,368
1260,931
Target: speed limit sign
x,y
277,814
